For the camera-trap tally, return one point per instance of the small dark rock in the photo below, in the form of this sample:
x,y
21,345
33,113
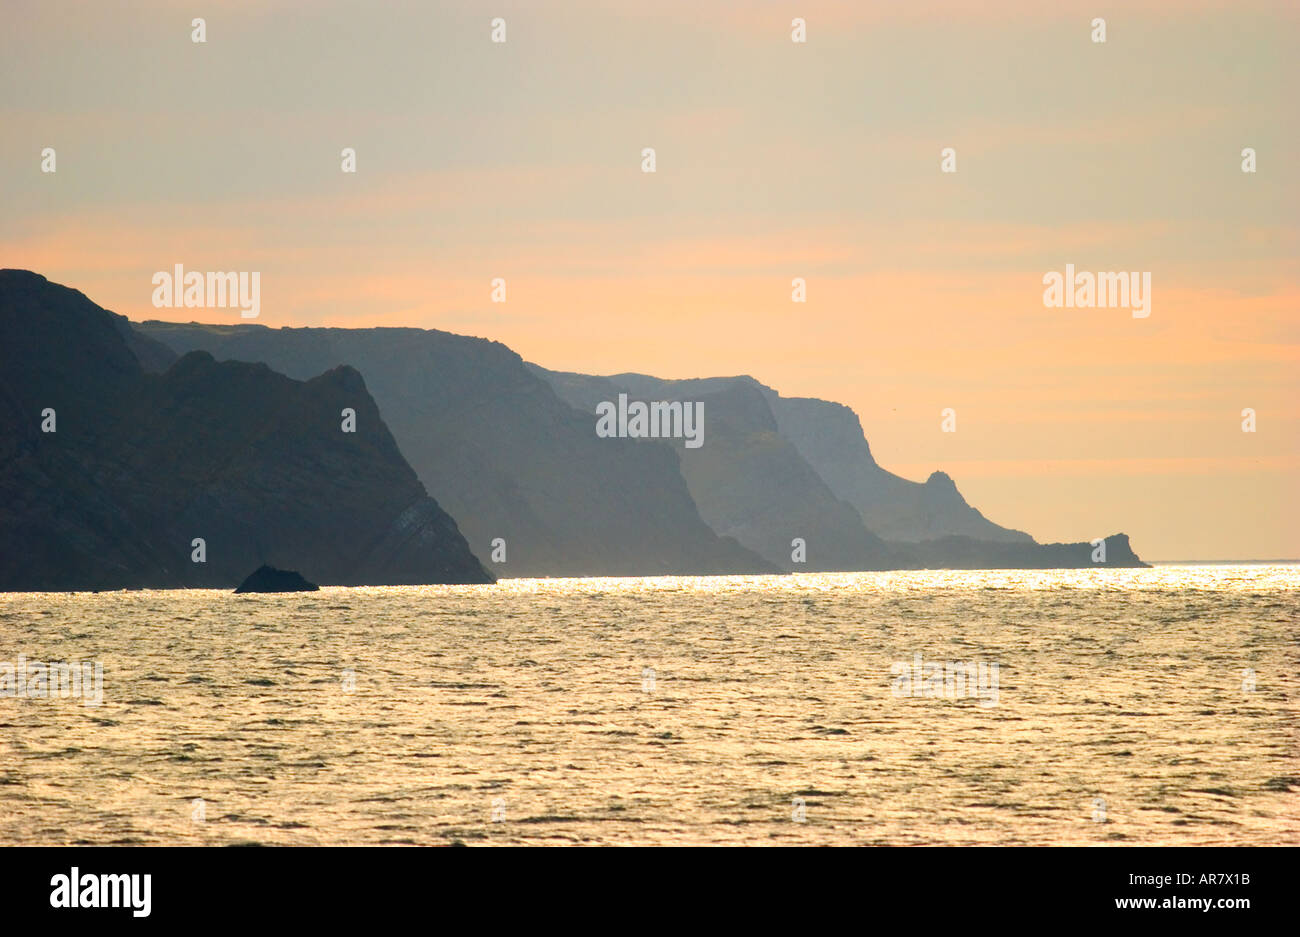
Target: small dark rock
x,y
269,579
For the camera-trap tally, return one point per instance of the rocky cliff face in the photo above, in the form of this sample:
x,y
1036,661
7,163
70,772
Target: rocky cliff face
x,y
506,456
774,467
252,462
830,437
749,481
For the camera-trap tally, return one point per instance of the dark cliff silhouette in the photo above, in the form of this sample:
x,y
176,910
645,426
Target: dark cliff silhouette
x,y
141,464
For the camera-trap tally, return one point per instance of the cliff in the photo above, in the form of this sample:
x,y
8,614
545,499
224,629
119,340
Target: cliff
x,y
749,481
140,465
506,456
774,467
830,437
512,450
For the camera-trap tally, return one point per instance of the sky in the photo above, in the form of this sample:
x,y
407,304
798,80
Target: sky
x,y
774,160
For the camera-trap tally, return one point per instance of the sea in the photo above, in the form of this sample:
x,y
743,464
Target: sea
x,y
1096,707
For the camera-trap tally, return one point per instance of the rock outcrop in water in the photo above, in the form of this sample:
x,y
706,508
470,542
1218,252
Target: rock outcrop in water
x,y
269,579
111,477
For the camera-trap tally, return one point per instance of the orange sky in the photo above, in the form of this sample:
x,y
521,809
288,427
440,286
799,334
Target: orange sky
x,y
775,160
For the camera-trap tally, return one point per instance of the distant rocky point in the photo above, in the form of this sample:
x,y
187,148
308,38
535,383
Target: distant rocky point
x,y
967,553
270,579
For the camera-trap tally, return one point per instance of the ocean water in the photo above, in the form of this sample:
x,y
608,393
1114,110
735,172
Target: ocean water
x,y
1149,706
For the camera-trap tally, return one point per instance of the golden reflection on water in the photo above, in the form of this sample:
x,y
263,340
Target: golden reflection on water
x,y
667,710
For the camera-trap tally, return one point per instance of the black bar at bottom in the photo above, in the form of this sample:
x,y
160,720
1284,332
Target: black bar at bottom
x,y
297,887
